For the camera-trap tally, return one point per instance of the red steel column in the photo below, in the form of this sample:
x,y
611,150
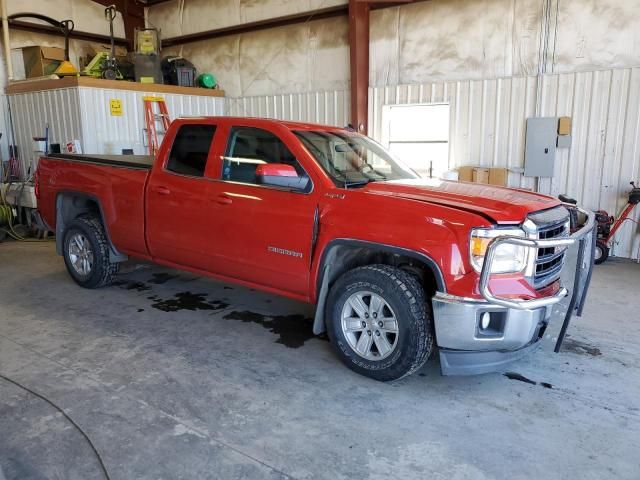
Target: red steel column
x,y
359,56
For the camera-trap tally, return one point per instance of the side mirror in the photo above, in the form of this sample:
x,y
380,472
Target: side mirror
x,y
280,175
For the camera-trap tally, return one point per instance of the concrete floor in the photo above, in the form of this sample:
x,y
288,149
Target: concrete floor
x,y
174,376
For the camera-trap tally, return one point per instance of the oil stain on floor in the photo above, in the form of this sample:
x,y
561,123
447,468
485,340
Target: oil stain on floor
x,y
292,330
581,348
139,286
522,378
162,278
187,301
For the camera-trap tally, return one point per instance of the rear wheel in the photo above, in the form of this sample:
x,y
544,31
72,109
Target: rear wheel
x,y
602,252
380,322
86,253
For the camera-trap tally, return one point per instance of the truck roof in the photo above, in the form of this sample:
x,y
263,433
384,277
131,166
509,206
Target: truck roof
x,y
257,121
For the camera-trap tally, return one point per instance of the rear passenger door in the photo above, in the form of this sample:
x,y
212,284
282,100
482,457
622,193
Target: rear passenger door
x,y
265,232
178,226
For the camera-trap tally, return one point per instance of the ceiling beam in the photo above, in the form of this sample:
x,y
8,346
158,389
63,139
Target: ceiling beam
x,y
328,12
51,30
322,13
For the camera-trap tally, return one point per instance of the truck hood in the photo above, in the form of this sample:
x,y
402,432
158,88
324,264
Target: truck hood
x,y
501,204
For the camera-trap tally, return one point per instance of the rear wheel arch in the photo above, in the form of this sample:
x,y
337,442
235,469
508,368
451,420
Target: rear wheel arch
x,y
71,205
342,255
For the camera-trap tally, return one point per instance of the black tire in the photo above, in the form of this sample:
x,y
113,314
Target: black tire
x,y
602,252
103,270
404,295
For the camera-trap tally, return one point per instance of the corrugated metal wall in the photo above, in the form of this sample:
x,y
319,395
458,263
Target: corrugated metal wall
x,y
329,108
84,114
31,112
488,129
104,133
487,125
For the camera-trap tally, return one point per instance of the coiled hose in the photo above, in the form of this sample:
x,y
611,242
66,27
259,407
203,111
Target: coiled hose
x,y
6,224
5,215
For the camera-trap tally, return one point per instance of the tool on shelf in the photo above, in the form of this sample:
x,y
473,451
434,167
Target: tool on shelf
x,y
109,64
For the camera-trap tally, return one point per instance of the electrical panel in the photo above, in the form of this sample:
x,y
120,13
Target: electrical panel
x,y
540,146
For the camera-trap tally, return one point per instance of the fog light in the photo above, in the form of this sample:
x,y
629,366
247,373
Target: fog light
x,y
485,320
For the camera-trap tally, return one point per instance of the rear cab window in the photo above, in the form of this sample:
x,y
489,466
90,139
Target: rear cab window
x,y
190,149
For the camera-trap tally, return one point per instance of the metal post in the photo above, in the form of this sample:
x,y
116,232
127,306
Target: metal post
x,y
5,35
359,61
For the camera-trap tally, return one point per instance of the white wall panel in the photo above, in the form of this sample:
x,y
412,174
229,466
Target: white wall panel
x,y
329,108
104,133
31,112
84,114
488,129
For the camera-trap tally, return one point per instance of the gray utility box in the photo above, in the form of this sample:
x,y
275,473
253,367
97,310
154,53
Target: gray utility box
x,y
540,146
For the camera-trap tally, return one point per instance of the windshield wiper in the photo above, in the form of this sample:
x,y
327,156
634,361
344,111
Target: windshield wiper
x,y
359,183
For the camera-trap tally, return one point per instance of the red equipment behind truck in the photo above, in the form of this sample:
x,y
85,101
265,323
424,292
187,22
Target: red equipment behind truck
x,y
398,266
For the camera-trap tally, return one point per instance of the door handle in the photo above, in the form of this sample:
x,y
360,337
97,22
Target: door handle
x,y
162,190
224,200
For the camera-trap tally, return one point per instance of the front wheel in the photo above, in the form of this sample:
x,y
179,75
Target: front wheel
x,y
380,323
602,252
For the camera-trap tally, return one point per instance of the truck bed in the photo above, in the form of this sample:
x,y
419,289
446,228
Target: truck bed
x,y
116,182
142,162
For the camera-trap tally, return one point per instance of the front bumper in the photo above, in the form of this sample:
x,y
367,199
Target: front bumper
x,y
511,327
467,349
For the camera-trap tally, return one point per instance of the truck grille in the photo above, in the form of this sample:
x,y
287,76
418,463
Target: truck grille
x,y
548,262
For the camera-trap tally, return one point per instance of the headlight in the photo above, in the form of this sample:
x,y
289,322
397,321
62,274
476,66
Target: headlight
x,y
508,258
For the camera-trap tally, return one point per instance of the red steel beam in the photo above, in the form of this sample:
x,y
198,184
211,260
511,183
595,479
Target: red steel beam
x,y
359,62
323,13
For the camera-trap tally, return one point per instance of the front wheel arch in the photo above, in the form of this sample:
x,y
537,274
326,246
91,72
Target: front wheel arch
x,y
341,255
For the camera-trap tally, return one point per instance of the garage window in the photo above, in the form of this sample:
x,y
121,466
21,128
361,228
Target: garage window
x,y
190,150
418,135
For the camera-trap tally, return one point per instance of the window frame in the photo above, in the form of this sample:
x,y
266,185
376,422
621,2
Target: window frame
x,y
210,153
225,155
387,140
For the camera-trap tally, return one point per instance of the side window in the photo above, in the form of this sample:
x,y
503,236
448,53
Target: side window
x,y
190,150
249,147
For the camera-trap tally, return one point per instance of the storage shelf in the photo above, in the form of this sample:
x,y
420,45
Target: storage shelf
x,y
36,85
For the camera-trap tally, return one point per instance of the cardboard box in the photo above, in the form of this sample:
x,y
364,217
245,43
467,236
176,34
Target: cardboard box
x,y
498,176
40,61
564,126
465,174
481,175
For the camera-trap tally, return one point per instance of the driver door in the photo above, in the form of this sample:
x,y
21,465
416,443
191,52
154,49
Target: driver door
x,y
265,232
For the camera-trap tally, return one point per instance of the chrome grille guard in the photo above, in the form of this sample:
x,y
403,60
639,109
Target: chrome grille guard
x,y
584,238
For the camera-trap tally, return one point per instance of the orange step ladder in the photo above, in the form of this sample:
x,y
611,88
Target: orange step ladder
x,y
151,118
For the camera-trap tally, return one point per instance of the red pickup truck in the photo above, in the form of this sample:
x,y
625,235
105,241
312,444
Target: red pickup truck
x,y
397,265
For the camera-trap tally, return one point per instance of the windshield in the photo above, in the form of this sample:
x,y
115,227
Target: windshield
x,y
352,159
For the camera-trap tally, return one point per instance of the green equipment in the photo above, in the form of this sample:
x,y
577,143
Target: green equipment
x,y
99,65
104,64
206,80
